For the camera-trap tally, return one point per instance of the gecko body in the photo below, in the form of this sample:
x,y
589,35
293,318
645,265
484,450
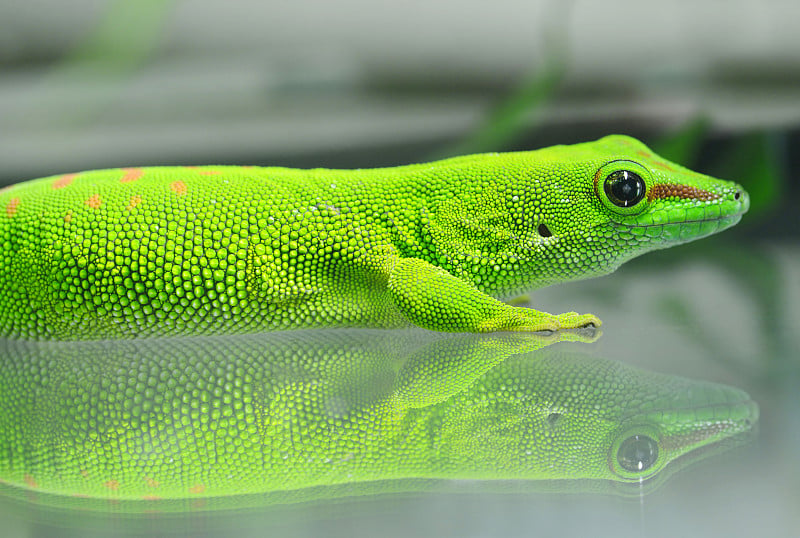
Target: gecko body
x,y
167,251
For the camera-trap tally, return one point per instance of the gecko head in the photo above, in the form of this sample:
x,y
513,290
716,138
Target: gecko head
x,y
679,427
658,202
612,200
571,416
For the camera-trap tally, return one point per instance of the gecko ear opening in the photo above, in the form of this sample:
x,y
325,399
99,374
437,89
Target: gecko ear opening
x,y
544,231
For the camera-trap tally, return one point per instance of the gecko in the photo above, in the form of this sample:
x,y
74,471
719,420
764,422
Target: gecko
x,y
175,251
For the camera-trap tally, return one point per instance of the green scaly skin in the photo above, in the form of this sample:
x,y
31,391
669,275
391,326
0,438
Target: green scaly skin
x,y
160,251
292,412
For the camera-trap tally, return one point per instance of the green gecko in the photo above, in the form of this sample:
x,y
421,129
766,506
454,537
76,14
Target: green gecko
x,y
285,413
165,251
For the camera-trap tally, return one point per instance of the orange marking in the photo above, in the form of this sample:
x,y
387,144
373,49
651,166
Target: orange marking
x,y
684,192
84,473
134,201
151,498
113,485
63,181
131,174
29,480
11,207
68,216
179,187
665,166
151,482
94,201
197,488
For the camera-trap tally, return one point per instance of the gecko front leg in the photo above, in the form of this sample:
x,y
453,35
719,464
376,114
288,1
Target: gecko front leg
x,y
432,298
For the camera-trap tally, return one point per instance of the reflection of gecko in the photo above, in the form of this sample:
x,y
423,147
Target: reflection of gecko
x,y
225,249
174,418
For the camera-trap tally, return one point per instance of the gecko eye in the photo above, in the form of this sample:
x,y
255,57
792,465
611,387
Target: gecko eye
x,y
624,188
637,453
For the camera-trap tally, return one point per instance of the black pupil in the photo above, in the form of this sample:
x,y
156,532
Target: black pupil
x,y
637,453
624,188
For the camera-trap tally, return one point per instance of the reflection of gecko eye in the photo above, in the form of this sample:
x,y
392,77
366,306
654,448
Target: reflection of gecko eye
x,y
637,453
624,188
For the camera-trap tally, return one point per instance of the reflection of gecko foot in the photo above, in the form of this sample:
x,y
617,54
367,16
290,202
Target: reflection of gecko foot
x,y
586,335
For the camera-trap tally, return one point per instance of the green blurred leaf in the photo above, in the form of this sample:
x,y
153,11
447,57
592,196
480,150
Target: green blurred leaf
x,y
100,64
127,35
754,161
520,109
508,118
683,146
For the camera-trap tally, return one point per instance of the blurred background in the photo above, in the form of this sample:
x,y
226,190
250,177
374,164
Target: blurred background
x,y
711,84
101,83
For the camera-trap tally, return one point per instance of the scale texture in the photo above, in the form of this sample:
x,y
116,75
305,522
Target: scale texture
x,y
160,251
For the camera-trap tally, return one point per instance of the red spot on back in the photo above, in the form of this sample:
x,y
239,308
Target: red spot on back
x,y
178,187
63,181
197,489
131,174
94,201
29,481
113,485
11,207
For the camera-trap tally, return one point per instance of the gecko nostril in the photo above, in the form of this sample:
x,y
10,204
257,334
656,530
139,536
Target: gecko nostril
x,y
737,195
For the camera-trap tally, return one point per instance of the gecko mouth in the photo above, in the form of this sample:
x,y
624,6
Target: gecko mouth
x,y
682,231
732,217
